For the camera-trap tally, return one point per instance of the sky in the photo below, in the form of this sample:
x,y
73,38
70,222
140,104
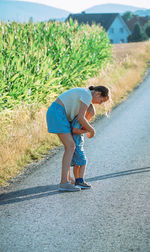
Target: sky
x,y
80,5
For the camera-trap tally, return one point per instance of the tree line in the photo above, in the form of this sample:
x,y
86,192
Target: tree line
x,y
139,26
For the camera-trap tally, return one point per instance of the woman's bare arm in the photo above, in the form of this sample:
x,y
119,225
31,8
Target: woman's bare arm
x,y
82,120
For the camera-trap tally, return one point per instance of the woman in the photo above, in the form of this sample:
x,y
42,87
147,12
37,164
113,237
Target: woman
x,y
71,103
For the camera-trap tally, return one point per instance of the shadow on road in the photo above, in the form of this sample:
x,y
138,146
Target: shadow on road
x,y
118,174
28,194
48,190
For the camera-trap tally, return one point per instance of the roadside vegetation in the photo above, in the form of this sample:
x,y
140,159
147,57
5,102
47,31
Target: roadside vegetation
x,y
39,61
31,80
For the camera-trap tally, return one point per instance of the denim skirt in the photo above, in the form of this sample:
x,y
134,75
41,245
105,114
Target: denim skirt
x,y
57,121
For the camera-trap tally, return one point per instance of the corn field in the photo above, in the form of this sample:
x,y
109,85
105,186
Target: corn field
x,y
39,61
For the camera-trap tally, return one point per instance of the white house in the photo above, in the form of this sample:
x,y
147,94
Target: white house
x,y
113,23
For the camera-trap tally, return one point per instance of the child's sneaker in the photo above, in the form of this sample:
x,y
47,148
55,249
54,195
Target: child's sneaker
x,y
68,187
82,185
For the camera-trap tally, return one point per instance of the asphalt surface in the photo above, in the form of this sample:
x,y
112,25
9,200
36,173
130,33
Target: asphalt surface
x,y
113,216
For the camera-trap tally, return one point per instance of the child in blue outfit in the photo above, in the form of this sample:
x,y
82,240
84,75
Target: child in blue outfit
x,y
79,159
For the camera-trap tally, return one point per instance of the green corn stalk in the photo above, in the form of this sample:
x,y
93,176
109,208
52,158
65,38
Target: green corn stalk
x,y
38,61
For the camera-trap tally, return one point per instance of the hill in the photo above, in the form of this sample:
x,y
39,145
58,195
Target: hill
x,y
23,11
112,8
142,12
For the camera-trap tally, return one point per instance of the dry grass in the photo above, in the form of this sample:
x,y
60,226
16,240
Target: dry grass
x,y
23,132
126,72
24,138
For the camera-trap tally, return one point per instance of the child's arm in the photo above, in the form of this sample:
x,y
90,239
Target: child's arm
x,y
78,131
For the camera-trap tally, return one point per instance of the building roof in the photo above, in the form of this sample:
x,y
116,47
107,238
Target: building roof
x,y
105,19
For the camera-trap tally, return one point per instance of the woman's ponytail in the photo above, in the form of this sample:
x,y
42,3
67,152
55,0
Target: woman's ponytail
x,y
91,88
104,90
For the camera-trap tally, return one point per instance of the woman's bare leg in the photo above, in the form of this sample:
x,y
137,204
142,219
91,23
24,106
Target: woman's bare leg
x,y
71,179
69,145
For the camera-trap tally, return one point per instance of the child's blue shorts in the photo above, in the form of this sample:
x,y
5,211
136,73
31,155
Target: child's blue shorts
x,y
79,157
57,121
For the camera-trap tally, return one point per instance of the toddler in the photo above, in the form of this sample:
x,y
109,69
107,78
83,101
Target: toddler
x,y
79,158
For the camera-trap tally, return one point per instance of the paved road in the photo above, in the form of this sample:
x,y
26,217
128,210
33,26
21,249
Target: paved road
x,y
114,216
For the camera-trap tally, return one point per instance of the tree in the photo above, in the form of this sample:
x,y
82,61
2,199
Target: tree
x,y
127,16
137,34
147,29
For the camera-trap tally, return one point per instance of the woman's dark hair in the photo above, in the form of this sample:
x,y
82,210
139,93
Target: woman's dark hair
x,y
104,90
